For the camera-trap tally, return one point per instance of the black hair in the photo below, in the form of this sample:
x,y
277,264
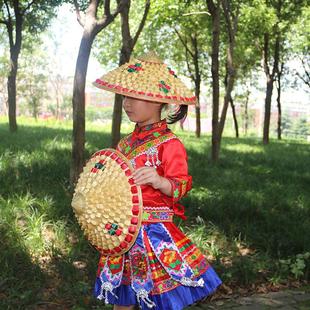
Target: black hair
x,y
178,114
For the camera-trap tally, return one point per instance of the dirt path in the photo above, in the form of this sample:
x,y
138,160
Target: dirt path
x,y
285,299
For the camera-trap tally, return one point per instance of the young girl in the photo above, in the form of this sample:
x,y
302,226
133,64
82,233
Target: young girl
x,y
164,269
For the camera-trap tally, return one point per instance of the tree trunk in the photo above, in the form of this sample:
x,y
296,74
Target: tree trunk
x,y
269,83
227,97
215,16
279,121
57,104
12,93
231,26
198,120
269,88
246,114
128,44
116,120
78,103
234,117
14,53
92,26
197,84
195,76
126,50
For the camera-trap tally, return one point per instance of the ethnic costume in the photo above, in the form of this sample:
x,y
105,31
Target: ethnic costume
x,y
163,269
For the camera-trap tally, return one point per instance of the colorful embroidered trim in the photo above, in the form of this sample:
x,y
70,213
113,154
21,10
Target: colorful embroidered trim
x,y
144,148
154,279
141,277
132,160
160,125
110,276
179,187
128,142
140,144
148,94
168,255
154,142
157,214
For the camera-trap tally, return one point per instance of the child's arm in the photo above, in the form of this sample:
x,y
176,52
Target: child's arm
x,y
164,186
176,182
174,161
149,175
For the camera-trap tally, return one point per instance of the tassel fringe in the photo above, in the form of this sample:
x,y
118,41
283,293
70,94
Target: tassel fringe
x,y
190,282
143,295
106,287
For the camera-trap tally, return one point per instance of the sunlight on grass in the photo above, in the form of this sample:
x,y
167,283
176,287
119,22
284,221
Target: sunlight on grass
x,y
249,214
27,218
245,148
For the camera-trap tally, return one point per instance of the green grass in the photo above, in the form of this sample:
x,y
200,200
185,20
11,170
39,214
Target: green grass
x,y
250,213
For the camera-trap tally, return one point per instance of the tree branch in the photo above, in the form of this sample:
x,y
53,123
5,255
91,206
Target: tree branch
x,y
78,13
188,66
8,10
108,17
107,10
235,19
143,20
305,68
196,13
121,4
265,53
184,43
305,79
9,24
27,7
211,6
227,14
5,22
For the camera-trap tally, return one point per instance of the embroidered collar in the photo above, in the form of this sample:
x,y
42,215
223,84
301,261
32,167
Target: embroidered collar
x,y
150,128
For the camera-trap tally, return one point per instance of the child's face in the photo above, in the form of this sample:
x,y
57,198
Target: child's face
x,y
139,110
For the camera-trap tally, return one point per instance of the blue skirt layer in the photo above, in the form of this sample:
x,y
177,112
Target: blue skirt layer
x,y
175,299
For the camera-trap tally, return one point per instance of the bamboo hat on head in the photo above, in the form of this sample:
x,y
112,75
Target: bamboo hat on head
x,y
147,77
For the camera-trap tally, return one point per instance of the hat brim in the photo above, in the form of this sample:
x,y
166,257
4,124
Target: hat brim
x,y
145,96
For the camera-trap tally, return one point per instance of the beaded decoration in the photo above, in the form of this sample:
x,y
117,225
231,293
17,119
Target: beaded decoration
x,y
111,276
150,148
107,202
152,157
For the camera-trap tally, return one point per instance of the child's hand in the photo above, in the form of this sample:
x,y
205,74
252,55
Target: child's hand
x,y
147,176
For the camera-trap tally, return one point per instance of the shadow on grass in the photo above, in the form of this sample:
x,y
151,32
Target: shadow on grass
x,y
16,270
35,162
258,193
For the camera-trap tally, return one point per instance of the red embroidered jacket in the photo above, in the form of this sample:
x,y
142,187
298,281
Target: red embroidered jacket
x,y
156,145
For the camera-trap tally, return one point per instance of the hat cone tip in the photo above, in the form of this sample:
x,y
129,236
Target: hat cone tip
x,y
152,56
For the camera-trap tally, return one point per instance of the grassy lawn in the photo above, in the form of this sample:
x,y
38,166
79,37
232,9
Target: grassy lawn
x,y
250,214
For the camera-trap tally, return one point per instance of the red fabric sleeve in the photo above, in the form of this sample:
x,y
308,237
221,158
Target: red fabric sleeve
x,y
174,162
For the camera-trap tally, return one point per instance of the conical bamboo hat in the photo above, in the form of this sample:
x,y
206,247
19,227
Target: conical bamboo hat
x,y
107,203
147,77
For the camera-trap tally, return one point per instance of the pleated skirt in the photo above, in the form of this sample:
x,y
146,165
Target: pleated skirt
x,y
163,270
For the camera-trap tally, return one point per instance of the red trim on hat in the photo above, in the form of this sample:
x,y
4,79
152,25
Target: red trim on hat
x,y
149,94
